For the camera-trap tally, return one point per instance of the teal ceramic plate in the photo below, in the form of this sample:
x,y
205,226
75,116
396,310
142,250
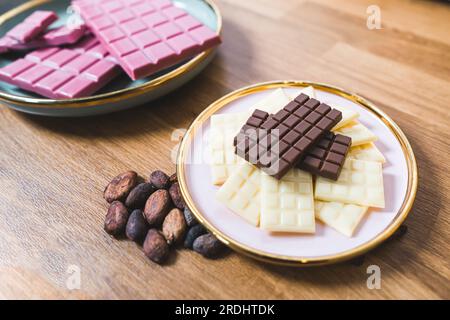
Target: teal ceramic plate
x,y
120,94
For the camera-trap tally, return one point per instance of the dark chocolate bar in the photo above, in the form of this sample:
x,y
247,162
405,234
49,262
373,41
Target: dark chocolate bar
x,y
276,143
327,158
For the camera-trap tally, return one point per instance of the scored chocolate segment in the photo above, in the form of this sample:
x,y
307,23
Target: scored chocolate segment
x,y
276,143
327,158
251,132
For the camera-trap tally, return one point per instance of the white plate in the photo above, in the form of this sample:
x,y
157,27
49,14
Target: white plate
x,y
326,245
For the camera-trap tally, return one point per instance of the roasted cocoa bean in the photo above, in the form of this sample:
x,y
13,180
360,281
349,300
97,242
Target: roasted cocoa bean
x,y
139,195
137,227
120,186
155,246
176,196
159,179
173,178
116,219
208,246
157,207
174,226
189,217
192,234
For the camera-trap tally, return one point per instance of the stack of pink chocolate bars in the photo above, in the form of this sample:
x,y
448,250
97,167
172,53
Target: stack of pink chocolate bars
x,y
140,37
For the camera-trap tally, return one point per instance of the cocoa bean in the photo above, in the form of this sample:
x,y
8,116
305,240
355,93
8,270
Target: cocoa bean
x,y
192,234
120,186
174,226
176,196
208,246
157,207
137,227
116,219
159,179
173,178
189,217
139,195
155,246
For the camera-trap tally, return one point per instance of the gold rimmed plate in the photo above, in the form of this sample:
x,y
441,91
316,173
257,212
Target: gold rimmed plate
x,y
120,94
326,245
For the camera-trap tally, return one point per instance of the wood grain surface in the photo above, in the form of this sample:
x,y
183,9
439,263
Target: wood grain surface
x,y
53,171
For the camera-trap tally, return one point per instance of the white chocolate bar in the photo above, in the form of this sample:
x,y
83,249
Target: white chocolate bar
x,y
348,116
359,133
287,205
360,182
272,103
309,91
241,193
224,127
367,152
344,218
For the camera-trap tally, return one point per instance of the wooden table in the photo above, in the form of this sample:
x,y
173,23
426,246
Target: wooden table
x,y
53,171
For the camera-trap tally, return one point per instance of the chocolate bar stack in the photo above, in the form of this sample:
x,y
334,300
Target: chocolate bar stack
x,y
296,136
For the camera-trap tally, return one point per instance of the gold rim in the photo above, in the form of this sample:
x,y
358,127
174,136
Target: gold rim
x,y
109,97
289,260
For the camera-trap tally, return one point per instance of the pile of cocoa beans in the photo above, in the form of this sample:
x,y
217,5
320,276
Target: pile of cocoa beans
x,y
154,214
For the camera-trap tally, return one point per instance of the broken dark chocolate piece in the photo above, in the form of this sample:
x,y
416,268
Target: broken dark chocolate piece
x,y
327,157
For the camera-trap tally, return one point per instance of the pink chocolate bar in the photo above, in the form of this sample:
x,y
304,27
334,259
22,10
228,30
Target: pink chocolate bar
x,y
63,35
146,36
7,43
54,37
32,26
62,73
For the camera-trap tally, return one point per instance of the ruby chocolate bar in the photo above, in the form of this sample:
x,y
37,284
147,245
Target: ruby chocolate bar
x,y
32,26
146,36
64,35
54,37
72,72
327,158
281,140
